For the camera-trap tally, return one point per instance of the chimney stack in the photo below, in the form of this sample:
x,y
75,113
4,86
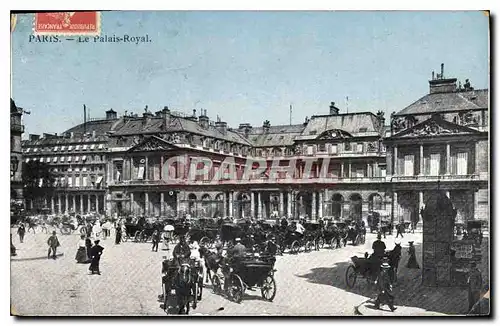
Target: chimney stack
x,y
442,71
441,84
221,126
245,128
333,109
165,114
110,114
203,119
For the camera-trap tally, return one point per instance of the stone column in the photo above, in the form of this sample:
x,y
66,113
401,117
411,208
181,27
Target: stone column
x,y
320,206
475,205
161,173
146,202
231,195
448,194
132,203
52,205
395,207
131,166
89,204
178,203
67,204
281,204
313,204
349,170
375,173
146,169
59,208
342,170
448,163
225,204
289,204
421,172
368,174
252,204
97,204
74,203
162,201
45,202
81,204
395,158
259,205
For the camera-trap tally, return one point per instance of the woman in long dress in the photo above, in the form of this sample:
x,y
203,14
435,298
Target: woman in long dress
x,y
81,253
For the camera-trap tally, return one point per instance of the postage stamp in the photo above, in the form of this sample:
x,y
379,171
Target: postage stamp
x,y
67,23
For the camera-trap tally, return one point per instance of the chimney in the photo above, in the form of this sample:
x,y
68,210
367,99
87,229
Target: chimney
x,y
266,125
333,109
34,137
146,116
110,114
165,114
441,84
221,126
203,119
245,128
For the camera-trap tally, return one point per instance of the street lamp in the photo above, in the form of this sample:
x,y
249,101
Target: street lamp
x,y
14,164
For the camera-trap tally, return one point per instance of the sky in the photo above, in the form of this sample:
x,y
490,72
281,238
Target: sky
x,y
245,67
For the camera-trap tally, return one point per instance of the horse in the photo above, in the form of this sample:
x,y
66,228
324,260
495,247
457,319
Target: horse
x,y
394,257
212,262
184,287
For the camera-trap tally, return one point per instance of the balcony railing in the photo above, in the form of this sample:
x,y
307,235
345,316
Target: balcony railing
x,y
451,177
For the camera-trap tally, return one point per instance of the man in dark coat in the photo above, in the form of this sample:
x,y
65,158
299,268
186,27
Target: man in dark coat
x,y
155,240
21,230
53,243
96,253
378,254
181,250
400,229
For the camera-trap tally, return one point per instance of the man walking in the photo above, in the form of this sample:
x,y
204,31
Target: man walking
x,y
400,230
385,295
53,243
96,253
156,240
21,230
475,282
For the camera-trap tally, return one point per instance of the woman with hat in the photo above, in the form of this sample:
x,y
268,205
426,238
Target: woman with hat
x,y
412,260
385,295
81,252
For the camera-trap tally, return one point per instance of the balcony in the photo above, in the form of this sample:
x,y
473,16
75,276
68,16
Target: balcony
x,y
434,178
251,181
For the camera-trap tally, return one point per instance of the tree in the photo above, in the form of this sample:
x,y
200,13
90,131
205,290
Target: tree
x,y
38,182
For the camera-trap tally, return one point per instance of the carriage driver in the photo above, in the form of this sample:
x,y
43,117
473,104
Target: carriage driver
x,y
378,252
235,256
181,250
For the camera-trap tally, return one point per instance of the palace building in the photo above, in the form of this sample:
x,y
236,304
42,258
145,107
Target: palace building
x,y
333,165
441,142
16,155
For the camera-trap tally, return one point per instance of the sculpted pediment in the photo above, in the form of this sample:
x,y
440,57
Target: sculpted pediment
x,y
152,144
435,126
334,134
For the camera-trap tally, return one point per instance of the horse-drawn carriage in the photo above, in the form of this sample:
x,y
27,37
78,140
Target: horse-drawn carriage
x,y
369,267
314,233
185,278
230,231
205,231
356,233
253,271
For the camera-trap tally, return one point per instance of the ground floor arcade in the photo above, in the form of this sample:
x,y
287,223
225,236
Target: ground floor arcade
x,y
77,202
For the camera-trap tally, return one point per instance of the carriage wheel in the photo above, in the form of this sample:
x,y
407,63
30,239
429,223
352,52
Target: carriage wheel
x,y
295,247
65,230
236,289
83,230
321,243
350,276
137,235
205,242
333,243
268,289
309,246
165,296
217,287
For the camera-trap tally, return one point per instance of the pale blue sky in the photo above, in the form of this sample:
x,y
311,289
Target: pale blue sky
x,y
246,66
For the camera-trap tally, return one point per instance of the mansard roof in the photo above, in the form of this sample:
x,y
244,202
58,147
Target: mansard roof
x,y
451,101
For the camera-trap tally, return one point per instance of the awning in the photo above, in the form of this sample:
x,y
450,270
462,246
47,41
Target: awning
x,y
99,179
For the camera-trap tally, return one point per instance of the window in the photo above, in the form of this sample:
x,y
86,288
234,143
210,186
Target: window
x,y
84,169
56,148
309,150
62,158
69,158
461,163
322,147
84,181
77,181
408,165
140,172
41,159
35,149
70,147
77,158
84,147
333,149
382,172
84,157
347,147
63,181
434,164
359,148
101,146
77,147
92,146
28,150
63,148
70,181
54,159
360,172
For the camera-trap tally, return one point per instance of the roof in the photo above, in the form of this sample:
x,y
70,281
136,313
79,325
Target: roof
x,y
135,126
357,124
99,126
280,135
452,101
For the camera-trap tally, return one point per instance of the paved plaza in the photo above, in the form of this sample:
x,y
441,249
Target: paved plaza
x,y
307,284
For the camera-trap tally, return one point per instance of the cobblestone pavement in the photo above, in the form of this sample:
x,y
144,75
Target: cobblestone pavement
x,y
307,284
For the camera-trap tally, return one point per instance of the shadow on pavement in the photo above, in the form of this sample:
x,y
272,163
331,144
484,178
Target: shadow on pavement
x,y
407,291
35,258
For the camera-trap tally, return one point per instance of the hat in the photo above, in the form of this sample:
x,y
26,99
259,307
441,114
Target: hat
x,y
379,236
237,239
410,242
385,265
